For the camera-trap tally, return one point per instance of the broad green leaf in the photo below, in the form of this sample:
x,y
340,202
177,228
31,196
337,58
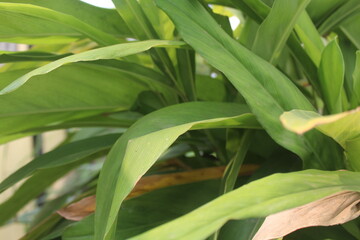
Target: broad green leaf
x,y
258,11
68,93
105,19
6,57
110,52
267,91
65,19
276,28
256,199
331,75
160,206
356,81
343,127
139,148
63,155
347,9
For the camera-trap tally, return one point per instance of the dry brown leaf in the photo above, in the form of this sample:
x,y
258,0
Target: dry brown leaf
x,y
79,210
332,210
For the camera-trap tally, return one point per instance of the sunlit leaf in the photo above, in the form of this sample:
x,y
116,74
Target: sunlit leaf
x,y
138,149
256,199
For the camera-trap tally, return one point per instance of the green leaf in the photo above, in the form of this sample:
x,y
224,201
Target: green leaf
x,y
135,18
233,168
139,24
276,28
331,75
158,19
267,91
256,199
160,206
110,52
106,19
210,89
319,10
310,37
139,148
33,187
156,81
63,155
6,57
351,31
68,93
343,127
65,19
356,81
347,9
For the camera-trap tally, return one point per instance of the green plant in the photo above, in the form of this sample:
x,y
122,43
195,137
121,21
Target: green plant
x,y
167,89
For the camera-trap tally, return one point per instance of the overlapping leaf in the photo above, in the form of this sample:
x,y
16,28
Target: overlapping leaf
x,y
274,92
71,92
276,28
256,199
138,149
110,52
343,127
64,19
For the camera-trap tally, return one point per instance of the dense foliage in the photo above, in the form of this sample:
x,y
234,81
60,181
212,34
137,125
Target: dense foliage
x,y
209,127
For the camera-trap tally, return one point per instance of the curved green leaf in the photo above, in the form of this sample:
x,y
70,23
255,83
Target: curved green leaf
x,y
110,52
63,155
267,91
71,92
58,17
138,149
331,75
105,19
276,28
256,199
342,127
